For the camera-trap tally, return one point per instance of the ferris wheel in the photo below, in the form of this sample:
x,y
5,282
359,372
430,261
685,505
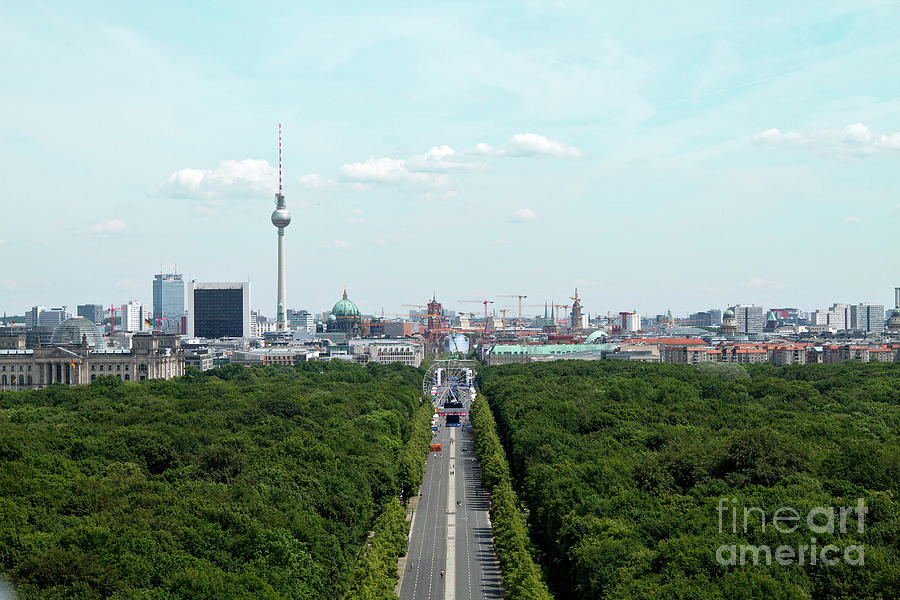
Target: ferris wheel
x,y
450,381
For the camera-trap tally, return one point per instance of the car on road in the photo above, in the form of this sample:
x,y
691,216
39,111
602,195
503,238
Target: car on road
x,y
464,449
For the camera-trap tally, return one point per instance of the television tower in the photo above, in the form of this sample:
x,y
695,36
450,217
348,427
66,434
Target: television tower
x,y
281,218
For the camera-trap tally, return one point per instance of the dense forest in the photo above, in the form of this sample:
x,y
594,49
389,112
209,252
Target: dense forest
x,y
522,579
237,483
642,481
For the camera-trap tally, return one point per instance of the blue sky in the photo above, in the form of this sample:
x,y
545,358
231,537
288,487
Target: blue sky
x,y
655,156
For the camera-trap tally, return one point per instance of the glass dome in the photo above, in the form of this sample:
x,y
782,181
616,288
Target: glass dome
x,y
71,331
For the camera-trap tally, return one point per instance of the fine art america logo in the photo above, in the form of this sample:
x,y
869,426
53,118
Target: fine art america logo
x,y
820,520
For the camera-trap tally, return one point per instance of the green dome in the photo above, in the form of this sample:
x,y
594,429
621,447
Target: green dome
x,y
597,335
331,318
728,313
345,307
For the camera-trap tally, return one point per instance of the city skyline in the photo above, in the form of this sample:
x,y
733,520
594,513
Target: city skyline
x,y
652,162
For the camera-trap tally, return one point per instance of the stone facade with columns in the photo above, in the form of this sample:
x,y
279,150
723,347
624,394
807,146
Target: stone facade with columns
x,y
151,356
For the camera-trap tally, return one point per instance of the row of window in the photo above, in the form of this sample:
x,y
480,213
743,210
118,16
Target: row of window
x,y
109,368
18,380
13,368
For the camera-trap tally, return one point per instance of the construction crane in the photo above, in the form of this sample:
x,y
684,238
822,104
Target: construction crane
x,y
558,312
503,312
520,297
112,318
485,302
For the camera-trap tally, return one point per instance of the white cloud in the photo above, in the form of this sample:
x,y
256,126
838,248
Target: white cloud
x,y
388,239
854,140
528,144
759,282
440,194
482,148
8,283
855,219
523,215
105,228
422,169
501,242
431,168
390,171
355,217
314,181
532,144
249,177
335,245
128,284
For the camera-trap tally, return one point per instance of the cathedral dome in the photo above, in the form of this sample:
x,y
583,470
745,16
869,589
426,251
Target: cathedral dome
x,y
345,307
729,313
71,331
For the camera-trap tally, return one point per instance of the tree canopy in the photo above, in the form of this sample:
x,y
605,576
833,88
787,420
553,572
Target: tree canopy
x,y
622,466
236,483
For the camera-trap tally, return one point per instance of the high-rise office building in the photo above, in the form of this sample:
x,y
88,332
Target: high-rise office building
x,y
217,310
32,317
51,317
168,302
749,318
91,312
301,320
135,316
867,317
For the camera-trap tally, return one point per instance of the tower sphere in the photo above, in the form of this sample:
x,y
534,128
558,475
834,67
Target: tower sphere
x,y
281,217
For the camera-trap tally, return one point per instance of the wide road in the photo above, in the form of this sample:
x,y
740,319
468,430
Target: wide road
x,y
472,571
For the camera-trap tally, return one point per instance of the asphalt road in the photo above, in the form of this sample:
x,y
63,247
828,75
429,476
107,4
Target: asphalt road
x,y
473,572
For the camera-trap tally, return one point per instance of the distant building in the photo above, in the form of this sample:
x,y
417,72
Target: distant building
x,y
867,317
700,319
77,356
631,322
787,315
168,302
202,359
301,320
575,320
91,312
219,310
749,318
135,316
436,326
386,351
729,323
399,329
32,316
345,317
40,316
274,356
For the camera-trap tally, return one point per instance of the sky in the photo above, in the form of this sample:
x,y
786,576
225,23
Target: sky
x,y
660,156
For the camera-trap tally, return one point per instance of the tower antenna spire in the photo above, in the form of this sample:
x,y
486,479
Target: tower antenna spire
x,y
279,158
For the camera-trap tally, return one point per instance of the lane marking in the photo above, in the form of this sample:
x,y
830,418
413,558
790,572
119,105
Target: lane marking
x,y
450,558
